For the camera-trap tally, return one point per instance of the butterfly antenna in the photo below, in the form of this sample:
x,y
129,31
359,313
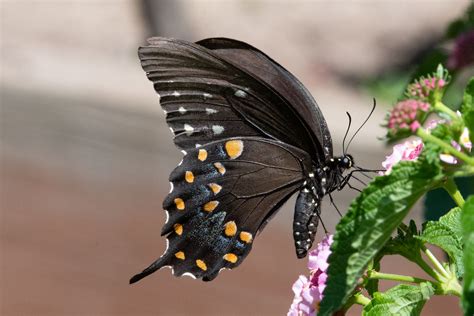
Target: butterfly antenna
x,y
357,131
347,132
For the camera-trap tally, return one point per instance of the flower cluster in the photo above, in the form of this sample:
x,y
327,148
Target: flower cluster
x,y
309,291
407,115
422,88
409,150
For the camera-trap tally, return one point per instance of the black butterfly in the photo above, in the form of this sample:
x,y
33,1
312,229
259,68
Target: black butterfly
x,y
252,136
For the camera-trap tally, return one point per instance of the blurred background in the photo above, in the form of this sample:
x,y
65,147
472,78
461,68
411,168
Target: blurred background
x,y
85,151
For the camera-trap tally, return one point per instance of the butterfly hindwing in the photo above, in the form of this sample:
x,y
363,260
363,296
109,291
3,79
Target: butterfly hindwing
x,y
223,193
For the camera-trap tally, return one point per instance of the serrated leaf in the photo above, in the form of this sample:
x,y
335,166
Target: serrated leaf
x,y
446,234
467,222
402,299
405,243
452,219
369,223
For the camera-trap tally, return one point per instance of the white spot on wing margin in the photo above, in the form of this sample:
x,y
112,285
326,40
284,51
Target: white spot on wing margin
x,y
189,274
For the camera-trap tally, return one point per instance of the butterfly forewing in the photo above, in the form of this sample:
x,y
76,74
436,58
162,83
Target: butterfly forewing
x,y
187,75
223,193
261,66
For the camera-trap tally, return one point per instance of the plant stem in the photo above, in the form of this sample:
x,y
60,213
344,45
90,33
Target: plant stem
x,y
451,187
440,107
361,299
429,270
447,147
358,298
372,274
439,267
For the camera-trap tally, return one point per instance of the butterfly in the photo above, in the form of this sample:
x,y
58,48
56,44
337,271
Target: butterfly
x,y
252,136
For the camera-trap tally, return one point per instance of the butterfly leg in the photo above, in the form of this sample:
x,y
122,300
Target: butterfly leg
x,y
333,204
305,221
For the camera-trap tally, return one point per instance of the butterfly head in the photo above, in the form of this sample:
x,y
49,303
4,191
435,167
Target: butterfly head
x,y
345,162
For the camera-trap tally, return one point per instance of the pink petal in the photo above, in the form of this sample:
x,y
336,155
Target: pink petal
x,y
456,145
414,126
448,159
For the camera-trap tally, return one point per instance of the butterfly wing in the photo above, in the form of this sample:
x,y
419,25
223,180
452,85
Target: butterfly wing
x,y
222,194
206,97
261,66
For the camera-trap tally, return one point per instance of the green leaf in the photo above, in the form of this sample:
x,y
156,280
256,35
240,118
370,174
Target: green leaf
x,y
467,108
467,221
369,223
405,243
402,299
447,235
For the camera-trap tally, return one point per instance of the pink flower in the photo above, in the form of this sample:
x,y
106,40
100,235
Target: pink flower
x,y
463,52
465,142
406,115
423,87
448,159
433,123
309,292
464,139
409,150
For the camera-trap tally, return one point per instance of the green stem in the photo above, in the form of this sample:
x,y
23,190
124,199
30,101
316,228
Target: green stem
x,y
440,107
429,270
452,287
439,267
446,147
361,299
466,171
451,187
357,298
372,274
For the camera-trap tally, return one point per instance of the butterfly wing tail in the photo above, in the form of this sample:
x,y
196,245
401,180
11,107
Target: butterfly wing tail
x,y
158,264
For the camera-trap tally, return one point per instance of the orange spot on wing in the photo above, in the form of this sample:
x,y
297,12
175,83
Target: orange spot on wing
x,y
179,204
230,257
178,229
230,229
201,264
202,155
215,187
219,167
180,255
189,177
210,206
234,148
246,237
